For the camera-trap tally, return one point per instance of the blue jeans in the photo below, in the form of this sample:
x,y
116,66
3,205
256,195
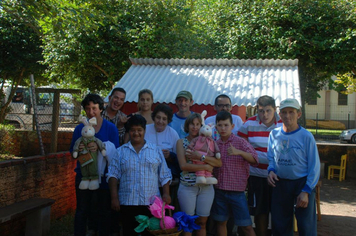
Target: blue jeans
x,y
284,197
231,201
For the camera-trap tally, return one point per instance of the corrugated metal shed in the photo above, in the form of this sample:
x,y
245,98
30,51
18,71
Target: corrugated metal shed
x,y
243,80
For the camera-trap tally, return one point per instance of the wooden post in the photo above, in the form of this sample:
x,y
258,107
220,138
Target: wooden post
x,y
55,122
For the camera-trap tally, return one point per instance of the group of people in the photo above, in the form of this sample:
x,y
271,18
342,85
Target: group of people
x,y
269,154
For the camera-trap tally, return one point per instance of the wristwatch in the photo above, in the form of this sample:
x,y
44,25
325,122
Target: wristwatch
x,y
202,158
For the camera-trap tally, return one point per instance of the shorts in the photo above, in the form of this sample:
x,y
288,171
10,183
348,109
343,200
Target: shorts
x,y
259,195
234,202
196,200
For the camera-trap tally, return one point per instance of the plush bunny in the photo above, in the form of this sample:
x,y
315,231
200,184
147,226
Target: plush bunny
x,y
205,145
88,160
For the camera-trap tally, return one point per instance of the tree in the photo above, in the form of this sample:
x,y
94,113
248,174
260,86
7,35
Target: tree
x,y
348,81
20,53
320,34
88,43
96,54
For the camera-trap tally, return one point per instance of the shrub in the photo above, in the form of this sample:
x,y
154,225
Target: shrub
x,y
7,133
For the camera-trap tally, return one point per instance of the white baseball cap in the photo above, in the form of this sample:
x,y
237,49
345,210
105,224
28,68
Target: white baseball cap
x,y
289,102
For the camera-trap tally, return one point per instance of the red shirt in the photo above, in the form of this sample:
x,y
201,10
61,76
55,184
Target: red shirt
x,y
235,170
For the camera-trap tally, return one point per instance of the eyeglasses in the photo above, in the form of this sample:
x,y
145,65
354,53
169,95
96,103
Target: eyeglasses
x,y
224,105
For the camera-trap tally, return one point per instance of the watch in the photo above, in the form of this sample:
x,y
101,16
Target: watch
x,y
202,158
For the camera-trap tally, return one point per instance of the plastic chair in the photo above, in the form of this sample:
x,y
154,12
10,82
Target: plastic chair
x,y
341,168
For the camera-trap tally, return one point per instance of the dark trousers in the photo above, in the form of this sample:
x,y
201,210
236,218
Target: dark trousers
x,y
94,208
284,197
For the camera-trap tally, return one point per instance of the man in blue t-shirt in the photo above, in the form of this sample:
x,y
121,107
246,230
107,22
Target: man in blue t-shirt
x,y
184,100
293,172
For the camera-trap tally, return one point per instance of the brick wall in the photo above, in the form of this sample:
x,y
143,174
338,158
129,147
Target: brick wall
x,y
51,176
26,143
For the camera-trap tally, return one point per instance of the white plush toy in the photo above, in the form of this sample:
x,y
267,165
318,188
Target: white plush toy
x,y
205,145
88,160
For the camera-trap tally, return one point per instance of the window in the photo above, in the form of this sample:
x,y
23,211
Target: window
x,y
312,101
342,99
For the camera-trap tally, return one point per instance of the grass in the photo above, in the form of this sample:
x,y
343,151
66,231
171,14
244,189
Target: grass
x,y
325,132
63,226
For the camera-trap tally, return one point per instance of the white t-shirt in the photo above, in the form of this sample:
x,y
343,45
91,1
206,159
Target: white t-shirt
x,y
236,120
167,139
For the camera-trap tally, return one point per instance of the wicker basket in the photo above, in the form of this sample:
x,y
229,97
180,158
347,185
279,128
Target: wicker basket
x,y
165,232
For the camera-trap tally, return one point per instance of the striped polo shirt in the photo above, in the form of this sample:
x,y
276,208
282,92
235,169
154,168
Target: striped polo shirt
x,y
257,135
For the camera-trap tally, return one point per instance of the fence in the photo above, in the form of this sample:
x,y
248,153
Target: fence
x,y
327,120
56,110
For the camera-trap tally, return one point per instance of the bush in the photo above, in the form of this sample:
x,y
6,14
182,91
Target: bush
x,y
7,133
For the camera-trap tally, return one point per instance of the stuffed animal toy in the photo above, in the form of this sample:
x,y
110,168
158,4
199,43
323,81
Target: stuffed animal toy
x,y
205,145
88,160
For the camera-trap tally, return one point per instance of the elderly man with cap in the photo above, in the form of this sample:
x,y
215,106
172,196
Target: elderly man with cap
x,y
184,100
293,172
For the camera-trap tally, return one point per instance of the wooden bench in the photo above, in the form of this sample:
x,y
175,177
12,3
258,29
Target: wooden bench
x,y
37,212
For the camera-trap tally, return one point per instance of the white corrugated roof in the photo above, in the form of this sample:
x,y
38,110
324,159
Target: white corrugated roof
x,y
243,80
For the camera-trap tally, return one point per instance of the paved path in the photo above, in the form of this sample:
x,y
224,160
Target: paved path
x,y
338,208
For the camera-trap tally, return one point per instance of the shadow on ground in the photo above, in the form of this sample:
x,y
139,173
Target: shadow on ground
x,y
338,208
331,225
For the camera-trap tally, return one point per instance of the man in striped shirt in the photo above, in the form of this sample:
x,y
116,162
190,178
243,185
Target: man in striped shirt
x,y
256,131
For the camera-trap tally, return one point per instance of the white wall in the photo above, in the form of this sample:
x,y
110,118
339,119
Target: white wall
x,y
337,112
312,110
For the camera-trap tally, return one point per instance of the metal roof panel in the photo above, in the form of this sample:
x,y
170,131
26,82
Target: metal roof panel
x,y
243,80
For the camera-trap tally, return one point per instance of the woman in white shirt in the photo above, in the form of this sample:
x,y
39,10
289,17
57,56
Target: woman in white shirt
x,y
164,136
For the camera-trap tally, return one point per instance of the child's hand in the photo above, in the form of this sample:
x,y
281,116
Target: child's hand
x,y
232,151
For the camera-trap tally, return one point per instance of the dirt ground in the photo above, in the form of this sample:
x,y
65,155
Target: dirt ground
x,y
338,208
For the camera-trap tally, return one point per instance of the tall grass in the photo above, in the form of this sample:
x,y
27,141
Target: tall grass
x,y
63,226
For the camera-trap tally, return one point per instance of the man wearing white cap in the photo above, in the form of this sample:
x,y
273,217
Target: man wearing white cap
x,y
293,172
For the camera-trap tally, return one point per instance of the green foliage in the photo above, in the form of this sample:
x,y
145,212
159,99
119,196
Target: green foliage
x,y
95,55
88,43
20,53
7,133
320,34
348,81
62,226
